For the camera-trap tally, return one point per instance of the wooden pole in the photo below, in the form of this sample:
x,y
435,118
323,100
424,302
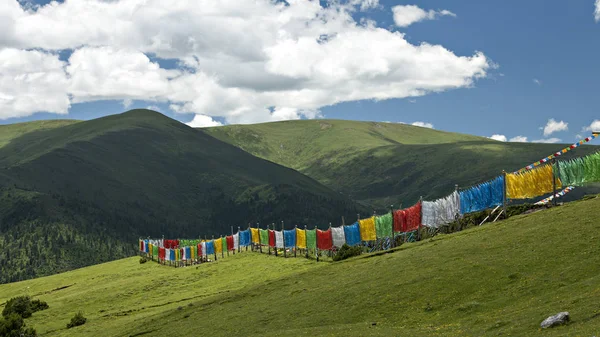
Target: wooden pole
x,y
331,250
305,243
504,194
393,243
420,221
316,244
214,250
259,239
239,247
553,182
283,236
296,241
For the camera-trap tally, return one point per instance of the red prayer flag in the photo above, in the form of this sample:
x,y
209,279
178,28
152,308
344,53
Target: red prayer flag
x,y
199,249
324,239
271,238
399,220
413,218
230,242
161,253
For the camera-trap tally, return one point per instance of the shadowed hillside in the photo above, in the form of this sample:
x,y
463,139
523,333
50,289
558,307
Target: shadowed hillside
x,y
72,188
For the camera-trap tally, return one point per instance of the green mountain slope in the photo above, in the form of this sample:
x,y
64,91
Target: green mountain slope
x,y
384,163
497,279
108,181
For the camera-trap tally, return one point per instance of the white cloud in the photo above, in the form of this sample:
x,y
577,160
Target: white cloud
x,y
500,138
127,103
406,15
423,125
595,126
597,11
553,126
202,121
153,107
536,81
31,80
548,140
269,61
518,139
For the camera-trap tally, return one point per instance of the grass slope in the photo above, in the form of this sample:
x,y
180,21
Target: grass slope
x,y
384,163
11,131
115,178
498,279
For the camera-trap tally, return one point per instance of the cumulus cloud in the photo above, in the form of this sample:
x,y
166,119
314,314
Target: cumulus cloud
x,y
536,81
597,11
500,138
423,125
269,60
31,80
406,15
201,121
547,140
518,139
553,126
595,126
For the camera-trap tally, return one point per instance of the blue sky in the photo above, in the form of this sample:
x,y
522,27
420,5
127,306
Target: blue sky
x,y
542,63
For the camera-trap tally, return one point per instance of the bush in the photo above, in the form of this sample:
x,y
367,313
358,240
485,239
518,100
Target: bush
x,y
23,306
13,325
37,305
20,305
77,320
346,252
143,260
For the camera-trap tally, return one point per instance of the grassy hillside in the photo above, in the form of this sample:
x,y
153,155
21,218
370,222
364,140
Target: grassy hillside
x,y
12,131
498,279
384,163
139,173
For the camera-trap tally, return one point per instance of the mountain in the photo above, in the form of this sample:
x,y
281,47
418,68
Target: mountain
x,y
77,193
385,163
501,278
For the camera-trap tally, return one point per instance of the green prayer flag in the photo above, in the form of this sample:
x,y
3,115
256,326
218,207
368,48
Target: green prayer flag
x,y
311,238
383,226
264,237
224,240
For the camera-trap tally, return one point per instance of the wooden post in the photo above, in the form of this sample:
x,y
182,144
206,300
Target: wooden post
x,y
504,194
393,243
553,182
259,239
421,221
296,241
316,244
283,236
229,248
249,233
275,236
239,247
331,250
306,242
214,250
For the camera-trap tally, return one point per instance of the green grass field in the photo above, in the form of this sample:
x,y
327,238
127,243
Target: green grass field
x,y
498,279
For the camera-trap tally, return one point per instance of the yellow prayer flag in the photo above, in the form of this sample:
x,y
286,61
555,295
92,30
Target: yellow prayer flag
x,y
300,238
255,235
531,184
218,245
367,229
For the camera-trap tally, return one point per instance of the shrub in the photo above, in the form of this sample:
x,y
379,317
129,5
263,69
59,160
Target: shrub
x,y
143,260
346,252
77,320
37,305
23,306
13,325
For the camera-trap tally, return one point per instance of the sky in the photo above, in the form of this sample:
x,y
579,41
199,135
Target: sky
x,y
510,70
